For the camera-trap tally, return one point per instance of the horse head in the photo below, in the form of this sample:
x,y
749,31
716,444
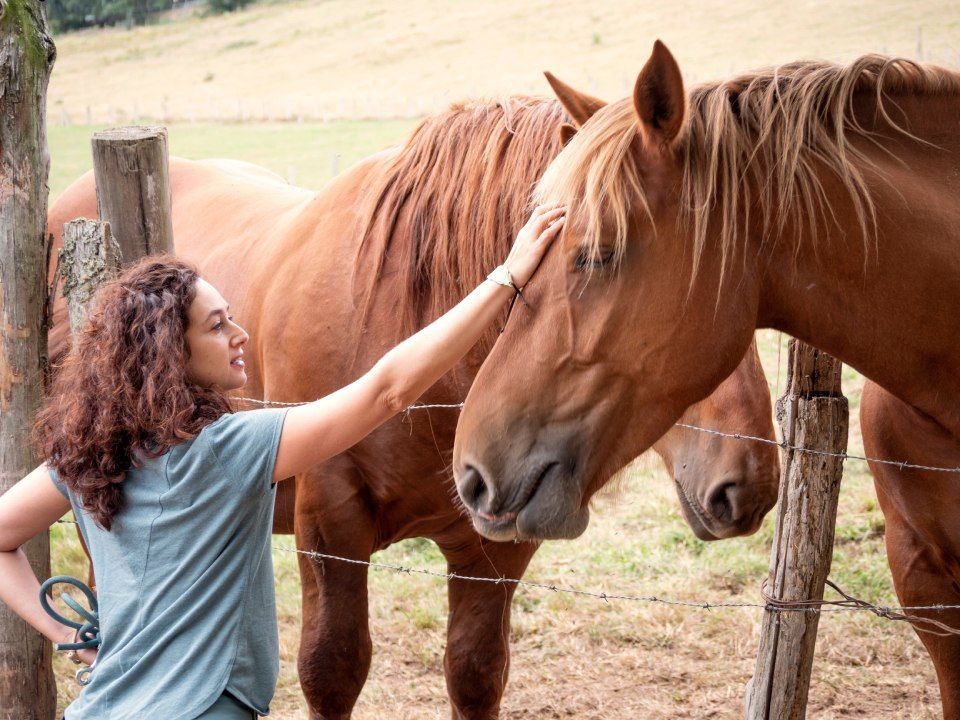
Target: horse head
x,y
626,326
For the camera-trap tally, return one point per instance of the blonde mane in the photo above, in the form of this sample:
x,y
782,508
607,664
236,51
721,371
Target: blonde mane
x,y
770,133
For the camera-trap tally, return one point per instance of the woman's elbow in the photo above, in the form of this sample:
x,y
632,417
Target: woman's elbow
x,y
395,389
9,544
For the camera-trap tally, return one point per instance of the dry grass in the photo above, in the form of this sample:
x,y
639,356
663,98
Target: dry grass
x,y
380,58
583,658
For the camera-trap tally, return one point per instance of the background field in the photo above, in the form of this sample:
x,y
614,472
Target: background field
x,y
367,61
383,58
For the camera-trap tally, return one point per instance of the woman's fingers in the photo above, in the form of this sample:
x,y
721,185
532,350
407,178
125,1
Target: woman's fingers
x,y
540,222
541,211
552,230
534,239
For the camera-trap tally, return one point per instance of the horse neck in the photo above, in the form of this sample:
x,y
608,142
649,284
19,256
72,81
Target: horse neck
x,y
887,306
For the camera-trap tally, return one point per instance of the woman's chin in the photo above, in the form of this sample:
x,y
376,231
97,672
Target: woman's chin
x,y
237,382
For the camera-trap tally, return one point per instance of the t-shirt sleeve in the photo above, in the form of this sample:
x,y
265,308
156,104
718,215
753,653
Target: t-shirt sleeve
x,y
245,443
58,483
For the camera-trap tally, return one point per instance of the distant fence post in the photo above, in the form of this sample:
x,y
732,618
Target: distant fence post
x,y
27,687
89,257
130,165
813,415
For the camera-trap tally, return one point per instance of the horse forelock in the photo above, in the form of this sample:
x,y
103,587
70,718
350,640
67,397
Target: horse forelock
x,y
449,203
771,133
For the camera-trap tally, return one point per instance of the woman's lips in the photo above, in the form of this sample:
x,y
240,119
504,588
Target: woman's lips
x,y
238,363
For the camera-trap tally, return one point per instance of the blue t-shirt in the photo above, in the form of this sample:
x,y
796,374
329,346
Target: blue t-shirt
x,y
185,578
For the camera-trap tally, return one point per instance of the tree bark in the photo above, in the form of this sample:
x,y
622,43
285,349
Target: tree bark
x,y
813,415
27,687
89,257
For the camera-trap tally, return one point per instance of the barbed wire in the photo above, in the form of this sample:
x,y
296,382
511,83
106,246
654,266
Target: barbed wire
x,y
847,603
782,444
771,604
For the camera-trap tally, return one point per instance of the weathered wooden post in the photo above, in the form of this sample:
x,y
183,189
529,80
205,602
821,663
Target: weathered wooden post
x,y
813,415
27,689
130,165
89,257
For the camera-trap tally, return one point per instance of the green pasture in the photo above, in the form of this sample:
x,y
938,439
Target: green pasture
x,y
637,544
305,153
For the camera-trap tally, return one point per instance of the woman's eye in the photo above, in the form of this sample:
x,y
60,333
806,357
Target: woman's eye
x,y
218,326
588,259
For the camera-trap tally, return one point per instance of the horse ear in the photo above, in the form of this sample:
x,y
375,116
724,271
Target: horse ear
x,y
566,132
658,97
579,106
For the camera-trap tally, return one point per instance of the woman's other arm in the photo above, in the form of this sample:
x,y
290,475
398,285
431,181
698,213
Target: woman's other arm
x,y
319,430
27,509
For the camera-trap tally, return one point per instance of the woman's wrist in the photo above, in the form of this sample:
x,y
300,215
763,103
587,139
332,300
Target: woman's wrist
x,y
501,275
62,634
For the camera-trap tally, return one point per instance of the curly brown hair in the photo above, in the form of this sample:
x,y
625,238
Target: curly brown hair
x,y
122,393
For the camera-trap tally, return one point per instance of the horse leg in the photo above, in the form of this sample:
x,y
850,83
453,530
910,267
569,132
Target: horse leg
x,y
922,530
919,579
335,647
477,656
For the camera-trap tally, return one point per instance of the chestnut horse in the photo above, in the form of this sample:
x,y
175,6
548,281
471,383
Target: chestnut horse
x,y
321,282
817,199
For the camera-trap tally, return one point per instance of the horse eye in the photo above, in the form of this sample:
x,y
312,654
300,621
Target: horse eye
x,y
593,260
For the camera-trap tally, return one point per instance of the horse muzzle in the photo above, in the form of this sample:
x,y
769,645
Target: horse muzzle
x,y
543,501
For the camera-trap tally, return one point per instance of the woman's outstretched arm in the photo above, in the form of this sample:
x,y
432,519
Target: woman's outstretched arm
x,y
319,430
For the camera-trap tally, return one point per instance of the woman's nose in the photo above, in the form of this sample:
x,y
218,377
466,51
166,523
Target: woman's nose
x,y
241,336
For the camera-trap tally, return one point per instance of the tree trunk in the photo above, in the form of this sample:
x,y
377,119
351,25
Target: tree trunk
x,y
27,687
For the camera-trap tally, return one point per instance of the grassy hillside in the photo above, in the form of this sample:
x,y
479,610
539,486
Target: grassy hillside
x,y
382,58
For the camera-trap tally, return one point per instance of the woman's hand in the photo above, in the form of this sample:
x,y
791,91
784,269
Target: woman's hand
x,y
87,655
532,242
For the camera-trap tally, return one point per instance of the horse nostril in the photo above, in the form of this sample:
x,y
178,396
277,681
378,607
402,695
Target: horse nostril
x,y
721,502
474,491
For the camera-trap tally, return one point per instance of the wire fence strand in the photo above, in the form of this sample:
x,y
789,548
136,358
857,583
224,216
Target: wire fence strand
x,y
846,603
782,444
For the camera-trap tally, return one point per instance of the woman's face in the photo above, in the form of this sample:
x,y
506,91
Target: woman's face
x,y
215,342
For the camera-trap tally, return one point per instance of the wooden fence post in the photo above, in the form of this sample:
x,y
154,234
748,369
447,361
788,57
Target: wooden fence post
x,y
27,687
89,256
813,415
130,165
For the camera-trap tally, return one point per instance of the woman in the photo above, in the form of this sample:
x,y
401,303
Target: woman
x,y
174,493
